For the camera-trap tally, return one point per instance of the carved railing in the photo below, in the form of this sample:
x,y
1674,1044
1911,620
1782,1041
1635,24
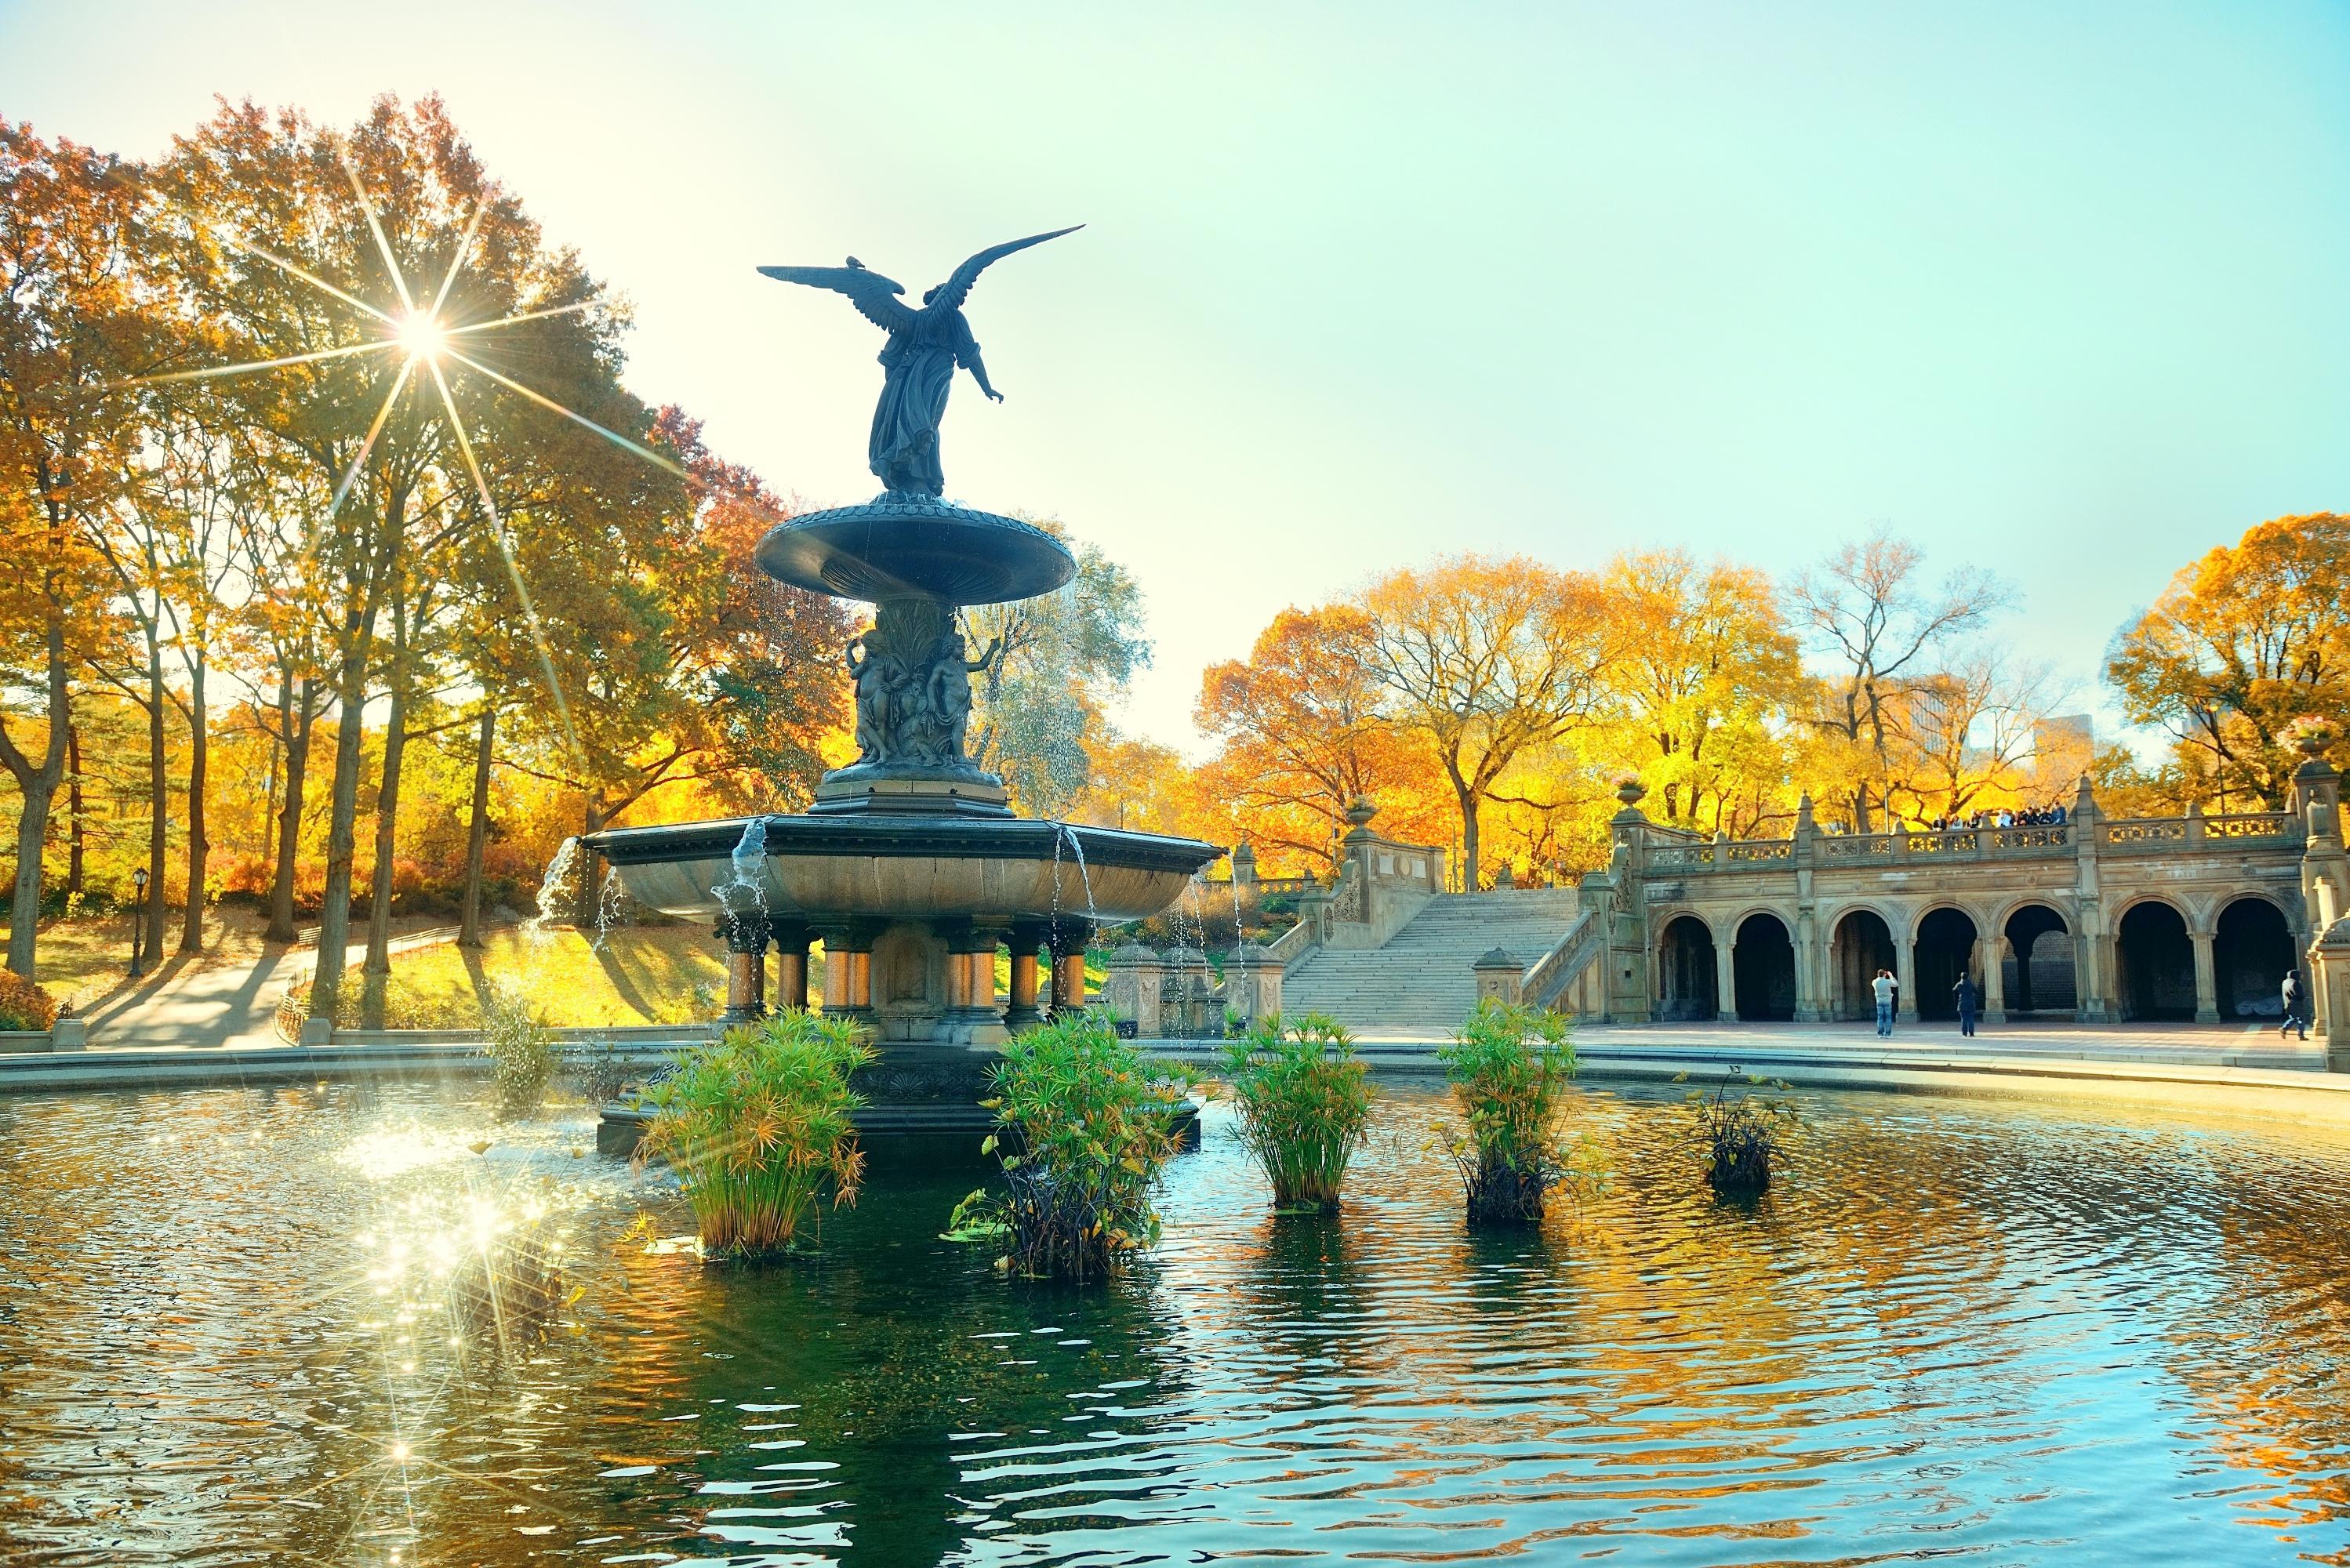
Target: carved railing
x,y
2131,833
1763,849
1948,841
2052,836
1291,944
2252,824
1681,856
1857,845
1557,970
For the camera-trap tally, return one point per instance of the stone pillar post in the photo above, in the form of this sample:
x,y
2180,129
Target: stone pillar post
x,y
791,962
1130,989
2328,972
746,972
1499,977
848,970
1020,1011
1993,949
1905,974
2207,979
1068,942
1253,983
1725,979
2091,971
1360,849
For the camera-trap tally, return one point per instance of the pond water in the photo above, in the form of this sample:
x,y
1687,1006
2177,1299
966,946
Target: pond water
x,y
1999,1331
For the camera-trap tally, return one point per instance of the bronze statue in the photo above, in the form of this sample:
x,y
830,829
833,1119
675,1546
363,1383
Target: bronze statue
x,y
919,362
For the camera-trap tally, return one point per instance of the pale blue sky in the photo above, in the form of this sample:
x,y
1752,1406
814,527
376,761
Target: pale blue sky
x,y
2063,289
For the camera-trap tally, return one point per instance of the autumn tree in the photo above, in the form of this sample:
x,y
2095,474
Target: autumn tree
x,y
1707,677
386,292
1868,609
1485,661
71,318
1299,727
2243,641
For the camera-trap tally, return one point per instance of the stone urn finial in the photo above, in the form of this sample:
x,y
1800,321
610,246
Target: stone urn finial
x,y
1360,810
2312,735
1631,792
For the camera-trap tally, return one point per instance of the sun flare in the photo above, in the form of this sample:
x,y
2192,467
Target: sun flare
x,y
421,335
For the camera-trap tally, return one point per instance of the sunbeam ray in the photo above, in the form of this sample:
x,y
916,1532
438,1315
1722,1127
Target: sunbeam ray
x,y
249,367
375,227
457,257
522,316
313,279
552,406
505,553
350,476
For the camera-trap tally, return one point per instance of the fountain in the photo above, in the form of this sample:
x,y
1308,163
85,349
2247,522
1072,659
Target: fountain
x,y
910,866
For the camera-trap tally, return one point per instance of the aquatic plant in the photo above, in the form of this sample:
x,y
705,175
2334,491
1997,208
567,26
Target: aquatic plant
x,y
1084,1124
520,1051
1305,1100
1509,1066
758,1125
1738,1138
25,1005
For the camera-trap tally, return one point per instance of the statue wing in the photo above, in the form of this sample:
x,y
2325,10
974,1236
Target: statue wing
x,y
956,289
875,296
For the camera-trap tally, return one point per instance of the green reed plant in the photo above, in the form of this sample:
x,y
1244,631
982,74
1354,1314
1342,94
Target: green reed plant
x,y
1740,1139
1305,1101
757,1124
520,1048
1083,1123
1509,1066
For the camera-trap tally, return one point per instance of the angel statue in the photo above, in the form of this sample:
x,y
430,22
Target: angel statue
x,y
919,362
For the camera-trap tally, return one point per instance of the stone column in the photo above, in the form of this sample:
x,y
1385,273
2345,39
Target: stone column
x,y
848,972
1130,989
1499,977
1725,981
972,1018
1994,975
791,961
1020,1011
2207,979
1068,943
2328,972
1253,980
1905,973
746,972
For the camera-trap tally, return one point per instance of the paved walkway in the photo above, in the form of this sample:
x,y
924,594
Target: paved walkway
x,y
184,1005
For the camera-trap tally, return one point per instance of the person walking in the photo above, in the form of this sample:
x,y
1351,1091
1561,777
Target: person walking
x,y
1965,991
2296,1005
1885,986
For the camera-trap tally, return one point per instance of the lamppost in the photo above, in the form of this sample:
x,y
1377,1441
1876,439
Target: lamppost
x,y
138,921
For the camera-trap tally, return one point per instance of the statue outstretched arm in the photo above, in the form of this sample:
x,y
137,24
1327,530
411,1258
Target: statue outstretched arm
x,y
978,368
986,657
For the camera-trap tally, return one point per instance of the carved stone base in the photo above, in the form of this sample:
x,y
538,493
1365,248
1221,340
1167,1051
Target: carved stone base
x,y
855,790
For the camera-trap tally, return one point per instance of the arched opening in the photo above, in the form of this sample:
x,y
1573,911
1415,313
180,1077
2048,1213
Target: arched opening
x,y
2252,949
2036,974
1862,945
2156,964
1688,987
1762,971
1946,949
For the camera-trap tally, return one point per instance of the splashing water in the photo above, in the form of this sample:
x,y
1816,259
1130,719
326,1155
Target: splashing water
x,y
557,889
745,891
611,907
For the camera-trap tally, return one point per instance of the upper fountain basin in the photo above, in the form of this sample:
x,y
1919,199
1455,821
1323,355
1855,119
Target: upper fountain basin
x,y
822,868
898,546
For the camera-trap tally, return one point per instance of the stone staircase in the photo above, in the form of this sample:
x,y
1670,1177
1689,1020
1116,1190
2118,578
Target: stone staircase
x,y
1420,983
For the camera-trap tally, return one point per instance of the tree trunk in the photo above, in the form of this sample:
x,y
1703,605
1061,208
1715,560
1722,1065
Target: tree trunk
x,y
477,832
343,808
75,856
191,923
297,721
159,799
1469,865
36,788
378,967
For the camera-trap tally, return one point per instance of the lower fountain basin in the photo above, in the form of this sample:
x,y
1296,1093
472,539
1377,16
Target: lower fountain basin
x,y
904,868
